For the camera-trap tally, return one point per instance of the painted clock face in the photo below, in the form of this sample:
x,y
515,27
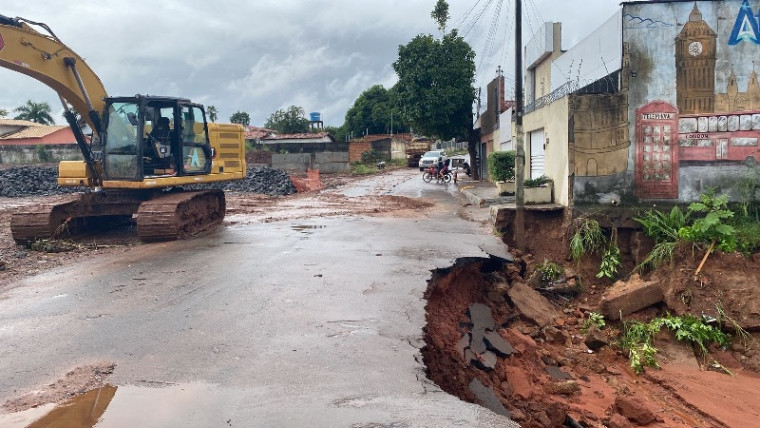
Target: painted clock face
x,y
695,48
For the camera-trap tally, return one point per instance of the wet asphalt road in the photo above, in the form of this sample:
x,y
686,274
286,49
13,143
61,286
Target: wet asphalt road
x,y
310,323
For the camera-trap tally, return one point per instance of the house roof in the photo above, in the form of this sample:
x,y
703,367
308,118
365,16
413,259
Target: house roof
x,y
304,138
20,129
256,133
17,122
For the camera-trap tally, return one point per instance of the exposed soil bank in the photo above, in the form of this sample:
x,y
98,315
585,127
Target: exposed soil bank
x,y
563,375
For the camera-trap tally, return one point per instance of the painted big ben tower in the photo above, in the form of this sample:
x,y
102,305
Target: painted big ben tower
x,y
695,66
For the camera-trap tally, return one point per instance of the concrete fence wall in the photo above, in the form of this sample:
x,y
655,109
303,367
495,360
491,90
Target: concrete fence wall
x,y
325,162
13,154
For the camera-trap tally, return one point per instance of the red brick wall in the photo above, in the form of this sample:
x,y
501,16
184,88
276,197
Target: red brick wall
x,y
356,148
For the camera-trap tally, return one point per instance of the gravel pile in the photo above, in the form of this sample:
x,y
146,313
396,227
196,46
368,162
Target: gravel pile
x,y
264,180
21,181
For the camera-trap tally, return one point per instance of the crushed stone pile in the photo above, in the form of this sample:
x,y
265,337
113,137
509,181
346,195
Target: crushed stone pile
x,y
21,181
264,180
42,180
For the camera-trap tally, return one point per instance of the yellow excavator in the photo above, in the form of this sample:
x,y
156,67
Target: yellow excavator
x,y
141,151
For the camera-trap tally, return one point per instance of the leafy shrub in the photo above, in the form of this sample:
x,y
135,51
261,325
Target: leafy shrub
x,y
610,262
501,165
42,154
638,337
537,182
588,238
371,157
361,169
549,272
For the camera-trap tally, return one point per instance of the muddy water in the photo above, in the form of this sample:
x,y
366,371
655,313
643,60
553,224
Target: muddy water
x,y
83,411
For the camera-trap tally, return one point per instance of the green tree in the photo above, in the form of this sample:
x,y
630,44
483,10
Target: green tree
x,y
213,114
240,117
374,111
435,87
35,112
338,132
290,121
3,112
440,15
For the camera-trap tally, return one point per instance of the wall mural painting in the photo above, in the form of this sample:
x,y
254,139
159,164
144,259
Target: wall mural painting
x,y
708,126
600,133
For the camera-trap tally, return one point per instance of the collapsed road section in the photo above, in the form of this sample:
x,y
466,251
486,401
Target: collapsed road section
x,y
493,339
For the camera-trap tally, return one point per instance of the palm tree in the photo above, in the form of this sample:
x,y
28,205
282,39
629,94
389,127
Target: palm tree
x,y
35,112
212,113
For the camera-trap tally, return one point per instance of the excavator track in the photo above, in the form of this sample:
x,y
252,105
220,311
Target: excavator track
x,y
179,215
70,214
161,216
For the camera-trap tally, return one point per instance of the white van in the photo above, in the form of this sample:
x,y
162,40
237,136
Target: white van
x,y
431,158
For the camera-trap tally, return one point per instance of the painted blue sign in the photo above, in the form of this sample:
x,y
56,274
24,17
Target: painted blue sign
x,y
746,26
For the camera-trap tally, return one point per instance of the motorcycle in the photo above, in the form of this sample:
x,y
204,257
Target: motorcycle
x,y
432,172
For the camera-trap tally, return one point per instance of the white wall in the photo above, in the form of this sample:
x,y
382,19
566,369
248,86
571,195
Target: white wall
x,y
505,131
594,57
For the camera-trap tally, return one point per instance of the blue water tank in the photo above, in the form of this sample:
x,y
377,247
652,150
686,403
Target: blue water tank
x,y
315,116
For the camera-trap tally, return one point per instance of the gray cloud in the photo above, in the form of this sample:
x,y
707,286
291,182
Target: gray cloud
x,y
260,56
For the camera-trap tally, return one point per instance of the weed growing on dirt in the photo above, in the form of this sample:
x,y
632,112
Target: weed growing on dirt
x,y
744,337
610,262
361,169
549,272
669,230
594,318
712,227
588,238
638,337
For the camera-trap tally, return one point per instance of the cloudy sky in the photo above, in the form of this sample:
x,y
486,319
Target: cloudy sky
x,y
259,56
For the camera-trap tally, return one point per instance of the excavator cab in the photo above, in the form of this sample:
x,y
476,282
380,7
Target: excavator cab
x,y
149,137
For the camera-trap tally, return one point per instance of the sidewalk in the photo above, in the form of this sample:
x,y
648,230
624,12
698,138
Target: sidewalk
x,y
482,194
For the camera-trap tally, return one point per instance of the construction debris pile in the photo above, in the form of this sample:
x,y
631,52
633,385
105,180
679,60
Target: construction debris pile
x,y
31,180
264,180
22,181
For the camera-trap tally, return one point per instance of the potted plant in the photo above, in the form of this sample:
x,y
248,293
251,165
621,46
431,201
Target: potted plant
x,y
501,167
538,190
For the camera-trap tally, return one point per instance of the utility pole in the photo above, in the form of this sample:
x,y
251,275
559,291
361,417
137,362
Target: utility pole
x,y
519,236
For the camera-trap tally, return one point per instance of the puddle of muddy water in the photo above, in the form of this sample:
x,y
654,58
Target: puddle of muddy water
x,y
82,411
157,404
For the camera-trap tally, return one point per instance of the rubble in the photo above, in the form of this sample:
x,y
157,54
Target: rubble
x,y
42,180
627,297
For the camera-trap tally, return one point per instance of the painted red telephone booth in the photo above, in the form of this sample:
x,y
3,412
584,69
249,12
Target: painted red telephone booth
x,y
657,151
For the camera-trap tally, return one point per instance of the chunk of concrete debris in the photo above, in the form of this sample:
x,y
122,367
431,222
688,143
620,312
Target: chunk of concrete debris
x,y
498,344
565,387
531,305
557,374
463,344
627,297
486,361
596,339
634,409
478,342
481,317
488,398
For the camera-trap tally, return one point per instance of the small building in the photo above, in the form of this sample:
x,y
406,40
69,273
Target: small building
x,y
388,146
23,141
660,103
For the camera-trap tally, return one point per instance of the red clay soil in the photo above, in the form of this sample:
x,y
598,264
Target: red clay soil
x,y
601,390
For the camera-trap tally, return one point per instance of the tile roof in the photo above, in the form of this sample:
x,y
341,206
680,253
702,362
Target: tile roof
x,y
302,136
17,122
24,129
256,133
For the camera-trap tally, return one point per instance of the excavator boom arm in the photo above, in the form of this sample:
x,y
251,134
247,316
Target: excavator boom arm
x,y
46,59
